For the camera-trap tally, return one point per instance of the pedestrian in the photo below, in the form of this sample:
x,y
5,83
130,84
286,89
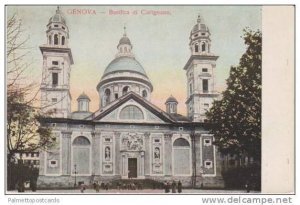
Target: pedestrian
x,y
179,186
173,187
97,187
82,188
247,187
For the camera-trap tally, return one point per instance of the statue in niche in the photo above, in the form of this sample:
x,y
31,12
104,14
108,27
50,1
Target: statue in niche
x,y
107,154
156,153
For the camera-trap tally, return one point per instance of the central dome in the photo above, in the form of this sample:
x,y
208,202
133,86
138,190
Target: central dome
x,y
123,64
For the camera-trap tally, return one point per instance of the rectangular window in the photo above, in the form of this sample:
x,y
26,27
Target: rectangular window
x,y
205,85
54,62
208,164
53,163
207,142
116,96
54,79
156,140
191,88
54,99
56,26
107,139
204,70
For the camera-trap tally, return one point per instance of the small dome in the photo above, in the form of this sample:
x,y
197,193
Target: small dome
x,y
200,26
124,63
124,40
58,17
83,96
171,99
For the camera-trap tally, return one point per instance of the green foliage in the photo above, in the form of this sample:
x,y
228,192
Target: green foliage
x,y
236,119
238,177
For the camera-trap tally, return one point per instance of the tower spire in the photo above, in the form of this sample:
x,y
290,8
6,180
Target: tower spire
x,y
124,30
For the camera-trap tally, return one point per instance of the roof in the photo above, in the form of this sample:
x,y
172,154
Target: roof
x,y
171,99
169,118
124,40
124,63
58,17
83,96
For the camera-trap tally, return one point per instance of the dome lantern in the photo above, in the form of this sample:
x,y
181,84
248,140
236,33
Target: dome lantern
x,y
125,46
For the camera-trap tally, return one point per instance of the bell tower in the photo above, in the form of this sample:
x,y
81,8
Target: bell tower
x,y
200,70
57,61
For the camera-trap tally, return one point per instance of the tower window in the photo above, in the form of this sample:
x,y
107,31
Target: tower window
x,y
54,79
196,48
205,85
195,35
56,26
191,88
54,62
204,70
203,34
63,28
203,47
55,39
63,40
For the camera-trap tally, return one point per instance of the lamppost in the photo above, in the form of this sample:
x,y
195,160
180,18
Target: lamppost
x,y
75,172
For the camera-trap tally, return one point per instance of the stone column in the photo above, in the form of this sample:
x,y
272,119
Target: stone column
x,y
147,154
117,154
168,154
66,152
96,153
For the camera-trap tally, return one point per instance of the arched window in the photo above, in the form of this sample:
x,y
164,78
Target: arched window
x,y
125,90
81,140
63,40
81,154
182,157
196,48
180,142
55,39
107,96
144,93
131,112
50,40
203,47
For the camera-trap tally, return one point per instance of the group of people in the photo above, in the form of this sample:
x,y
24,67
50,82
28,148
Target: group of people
x,y
168,186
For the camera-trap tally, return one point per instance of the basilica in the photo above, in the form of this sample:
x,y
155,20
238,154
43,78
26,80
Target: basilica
x,y
128,137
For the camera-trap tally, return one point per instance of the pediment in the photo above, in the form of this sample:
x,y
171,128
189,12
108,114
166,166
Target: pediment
x,y
132,108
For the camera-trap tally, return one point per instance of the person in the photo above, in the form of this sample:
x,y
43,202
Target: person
x,y
82,188
97,187
173,187
247,186
166,186
179,186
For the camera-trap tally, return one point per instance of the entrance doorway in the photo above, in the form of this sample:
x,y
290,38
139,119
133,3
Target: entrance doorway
x,y
132,167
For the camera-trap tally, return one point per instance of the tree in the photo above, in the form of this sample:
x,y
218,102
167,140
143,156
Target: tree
x,y
236,118
24,130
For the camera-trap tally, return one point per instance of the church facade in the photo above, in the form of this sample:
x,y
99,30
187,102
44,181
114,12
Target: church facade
x,y
128,137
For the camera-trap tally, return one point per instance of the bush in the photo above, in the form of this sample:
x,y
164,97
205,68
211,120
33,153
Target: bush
x,y
238,177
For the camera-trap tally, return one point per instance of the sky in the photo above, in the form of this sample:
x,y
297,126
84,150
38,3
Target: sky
x,y
160,43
